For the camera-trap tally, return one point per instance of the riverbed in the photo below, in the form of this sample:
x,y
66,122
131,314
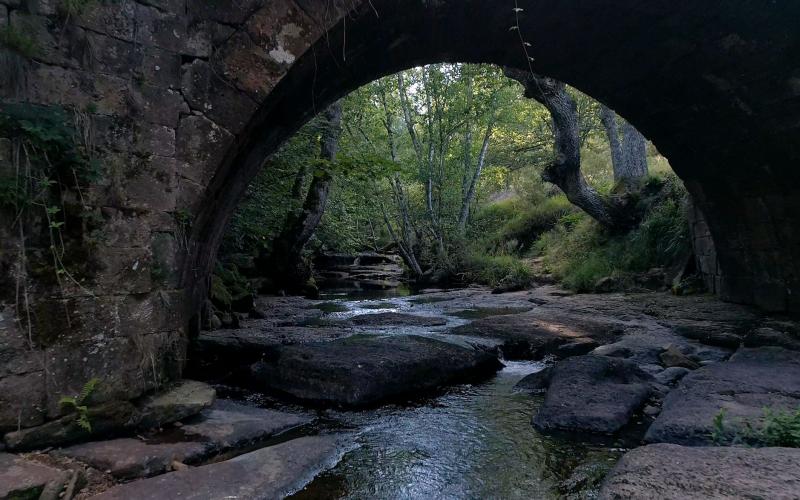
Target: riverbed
x,y
470,441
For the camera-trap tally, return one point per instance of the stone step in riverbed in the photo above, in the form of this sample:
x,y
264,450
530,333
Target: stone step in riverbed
x,y
268,473
365,370
591,394
752,380
539,333
226,427
672,472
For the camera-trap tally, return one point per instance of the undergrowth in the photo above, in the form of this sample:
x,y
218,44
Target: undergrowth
x,y
778,428
578,251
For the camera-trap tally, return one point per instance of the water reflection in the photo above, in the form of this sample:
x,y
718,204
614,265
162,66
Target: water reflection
x,y
471,442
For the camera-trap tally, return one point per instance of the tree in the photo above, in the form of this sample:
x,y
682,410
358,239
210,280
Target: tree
x,y
565,170
628,156
286,260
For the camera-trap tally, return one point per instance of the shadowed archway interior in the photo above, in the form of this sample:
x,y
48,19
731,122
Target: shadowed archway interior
x,y
189,98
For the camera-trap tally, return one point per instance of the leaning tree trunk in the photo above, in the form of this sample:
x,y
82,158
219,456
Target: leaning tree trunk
x,y
565,171
287,263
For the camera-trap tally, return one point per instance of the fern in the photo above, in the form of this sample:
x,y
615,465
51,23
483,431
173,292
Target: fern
x,y
78,404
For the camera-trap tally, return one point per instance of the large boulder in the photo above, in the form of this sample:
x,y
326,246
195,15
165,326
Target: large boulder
x,y
23,479
593,394
367,369
753,379
671,472
273,472
537,334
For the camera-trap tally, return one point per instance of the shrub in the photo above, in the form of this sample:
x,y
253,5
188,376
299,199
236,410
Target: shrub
x,y
512,226
578,251
496,270
778,428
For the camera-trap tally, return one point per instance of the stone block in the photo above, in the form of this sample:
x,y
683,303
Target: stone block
x,y
53,85
22,400
245,64
160,68
58,44
157,105
110,55
150,185
222,12
116,19
201,147
3,16
158,140
282,31
207,92
124,270
171,32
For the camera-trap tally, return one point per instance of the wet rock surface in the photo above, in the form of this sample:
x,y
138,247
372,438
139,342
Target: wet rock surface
x,y
113,418
753,379
673,472
395,319
225,427
621,355
592,394
365,370
271,472
23,479
131,458
537,334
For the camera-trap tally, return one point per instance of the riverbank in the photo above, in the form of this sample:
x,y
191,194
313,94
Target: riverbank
x,y
592,376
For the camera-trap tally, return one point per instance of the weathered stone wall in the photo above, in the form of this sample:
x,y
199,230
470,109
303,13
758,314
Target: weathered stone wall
x,y
186,98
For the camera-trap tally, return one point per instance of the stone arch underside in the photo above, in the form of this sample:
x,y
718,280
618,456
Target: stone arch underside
x,y
191,96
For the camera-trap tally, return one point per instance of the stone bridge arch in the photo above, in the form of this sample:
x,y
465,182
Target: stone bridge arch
x,y
189,97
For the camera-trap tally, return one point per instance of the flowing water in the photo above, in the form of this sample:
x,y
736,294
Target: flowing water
x,y
470,442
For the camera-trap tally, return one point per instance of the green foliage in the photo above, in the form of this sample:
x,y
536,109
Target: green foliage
x,y
718,428
78,404
513,225
51,164
496,270
579,251
16,40
778,428
228,286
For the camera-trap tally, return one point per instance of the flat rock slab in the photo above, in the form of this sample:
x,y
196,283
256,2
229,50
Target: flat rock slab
x,y
23,479
592,394
129,458
231,425
184,399
395,319
268,473
753,379
536,334
224,427
367,369
672,472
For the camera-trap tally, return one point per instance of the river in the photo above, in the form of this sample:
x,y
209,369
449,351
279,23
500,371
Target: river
x,y
468,442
